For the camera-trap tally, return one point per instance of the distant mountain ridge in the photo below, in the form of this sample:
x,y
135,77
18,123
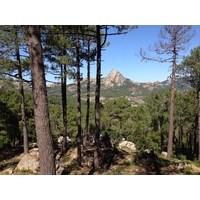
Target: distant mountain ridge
x,y
113,86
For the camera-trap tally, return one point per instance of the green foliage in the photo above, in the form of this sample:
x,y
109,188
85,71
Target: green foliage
x,y
154,141
10,117
189,68
115,112
4,140
141,126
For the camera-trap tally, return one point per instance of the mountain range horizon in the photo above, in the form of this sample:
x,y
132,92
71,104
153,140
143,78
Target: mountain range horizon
x,y
114,73
115,85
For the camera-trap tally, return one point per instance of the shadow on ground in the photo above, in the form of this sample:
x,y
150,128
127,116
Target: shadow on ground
x,y
9,153
154,165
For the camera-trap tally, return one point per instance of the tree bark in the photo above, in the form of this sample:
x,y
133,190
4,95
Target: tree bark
x,y
21,92
64,99
97,102
41,114
198,124
171,114
88,99
78,97
64,106
160,133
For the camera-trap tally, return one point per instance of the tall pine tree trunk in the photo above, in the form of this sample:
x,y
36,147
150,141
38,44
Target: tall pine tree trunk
x,y
24,124
171,114
21,92
78,97
88,99
198,124
64,99
195,153
160,133
41,114
97,102
64,106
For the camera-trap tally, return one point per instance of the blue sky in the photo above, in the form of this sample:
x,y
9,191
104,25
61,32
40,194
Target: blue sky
x,y
122,53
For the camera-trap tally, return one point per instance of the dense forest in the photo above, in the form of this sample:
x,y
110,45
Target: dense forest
x,y
167,122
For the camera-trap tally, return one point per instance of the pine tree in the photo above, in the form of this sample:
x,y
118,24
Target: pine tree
x,y
155,104
89,56
12,40
173,41
58,50
190,70
79,136
41,114
101,38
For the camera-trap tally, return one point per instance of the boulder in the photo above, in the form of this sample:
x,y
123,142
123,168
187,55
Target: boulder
x,y
147,151
164,154
34,153
33,145
8,171
60,139
87,161
127,144
28,162
60,166
181,165
31,162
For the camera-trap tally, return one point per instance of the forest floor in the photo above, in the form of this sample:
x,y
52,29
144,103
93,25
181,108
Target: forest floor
x,y
125,162
112,162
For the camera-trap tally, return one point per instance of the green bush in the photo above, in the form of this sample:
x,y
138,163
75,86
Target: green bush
x,y
154,141
4,141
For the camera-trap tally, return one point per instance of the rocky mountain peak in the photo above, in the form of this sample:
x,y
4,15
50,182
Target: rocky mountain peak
x,y
114,78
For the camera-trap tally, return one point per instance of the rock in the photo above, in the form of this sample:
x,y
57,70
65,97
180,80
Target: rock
x,y
127,144
31,162
72,155
33,145
87,161
60,170
60,166
60,139
181,165
164,154
8,171
34,153
114,78
147,151
58,156
28,162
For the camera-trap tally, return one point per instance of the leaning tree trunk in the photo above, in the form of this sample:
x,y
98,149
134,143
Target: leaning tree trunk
x,y
21,92
41,114
97,102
